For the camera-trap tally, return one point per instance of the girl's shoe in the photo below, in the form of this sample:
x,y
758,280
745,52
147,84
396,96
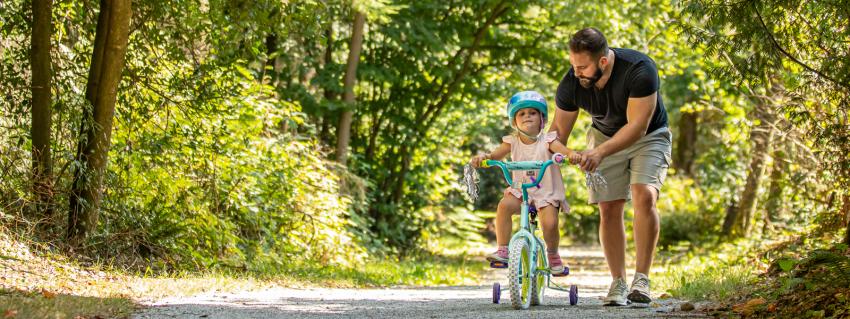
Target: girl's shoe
x,y
556,266
500,256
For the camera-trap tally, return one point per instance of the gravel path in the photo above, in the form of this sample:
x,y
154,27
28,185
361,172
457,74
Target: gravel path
x,y
589,273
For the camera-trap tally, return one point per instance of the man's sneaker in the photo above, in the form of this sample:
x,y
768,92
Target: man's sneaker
x,y
500,255
640,290
617,293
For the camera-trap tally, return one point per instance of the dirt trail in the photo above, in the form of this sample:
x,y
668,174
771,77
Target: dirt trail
x,y
588,267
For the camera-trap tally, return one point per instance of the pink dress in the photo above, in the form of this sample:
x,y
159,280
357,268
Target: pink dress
x,y
551,191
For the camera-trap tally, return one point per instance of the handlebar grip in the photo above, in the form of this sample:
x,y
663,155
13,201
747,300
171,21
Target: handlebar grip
x,y
558,158
484,164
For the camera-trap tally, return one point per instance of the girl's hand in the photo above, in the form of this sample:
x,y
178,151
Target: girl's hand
x,y
476,160
574,157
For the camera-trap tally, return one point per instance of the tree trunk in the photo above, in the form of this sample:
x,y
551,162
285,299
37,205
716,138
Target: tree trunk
x,y
761,136
274,64
113,27
42,164
344,131
846,212
327,118
774,205
271,48
686,143
729,220
373,135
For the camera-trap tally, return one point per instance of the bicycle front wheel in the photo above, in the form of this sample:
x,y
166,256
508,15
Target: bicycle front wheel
x,y
520,270
538,279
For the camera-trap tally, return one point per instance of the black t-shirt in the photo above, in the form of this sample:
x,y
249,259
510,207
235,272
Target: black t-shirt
x,y
634,75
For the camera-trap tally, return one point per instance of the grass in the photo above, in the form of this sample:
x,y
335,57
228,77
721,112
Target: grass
x,y
17,304
421,271
706,280
714,274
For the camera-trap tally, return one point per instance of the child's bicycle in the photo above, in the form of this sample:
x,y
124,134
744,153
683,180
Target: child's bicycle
x,y
528,267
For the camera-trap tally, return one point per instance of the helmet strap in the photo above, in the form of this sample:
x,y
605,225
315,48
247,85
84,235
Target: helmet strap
x,y
529,136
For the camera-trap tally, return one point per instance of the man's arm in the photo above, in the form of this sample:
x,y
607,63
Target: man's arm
x,y
563,124
638,114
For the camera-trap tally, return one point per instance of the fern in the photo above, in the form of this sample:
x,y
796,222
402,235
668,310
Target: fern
x,y
836,265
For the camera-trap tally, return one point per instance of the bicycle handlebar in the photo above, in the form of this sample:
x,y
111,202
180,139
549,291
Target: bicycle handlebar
x,y
524,165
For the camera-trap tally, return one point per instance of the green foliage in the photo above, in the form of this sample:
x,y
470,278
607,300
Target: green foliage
x,y
708,280
230,200
795,48
205,171
688,213
831,266
715,273
806,277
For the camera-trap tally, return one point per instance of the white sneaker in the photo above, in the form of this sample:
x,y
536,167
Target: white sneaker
x,y
617,293
640,290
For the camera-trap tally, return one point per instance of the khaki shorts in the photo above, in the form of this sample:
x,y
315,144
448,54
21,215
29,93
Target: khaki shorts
x,y
645,162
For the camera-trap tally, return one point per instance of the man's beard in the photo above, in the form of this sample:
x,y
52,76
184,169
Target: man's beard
x,y
588,82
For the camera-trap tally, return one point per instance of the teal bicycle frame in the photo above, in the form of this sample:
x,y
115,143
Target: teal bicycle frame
x,y
526,231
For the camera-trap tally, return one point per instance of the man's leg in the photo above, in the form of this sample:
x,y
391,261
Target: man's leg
x,y
612,229
649,162
646,225
612,236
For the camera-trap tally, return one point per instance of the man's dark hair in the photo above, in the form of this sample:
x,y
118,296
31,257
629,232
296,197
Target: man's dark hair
x,y
589,40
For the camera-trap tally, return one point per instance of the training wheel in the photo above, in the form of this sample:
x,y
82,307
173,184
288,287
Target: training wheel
x,y
497,292
573,295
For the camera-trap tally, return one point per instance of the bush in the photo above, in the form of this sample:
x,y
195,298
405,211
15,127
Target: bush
x,y
688,212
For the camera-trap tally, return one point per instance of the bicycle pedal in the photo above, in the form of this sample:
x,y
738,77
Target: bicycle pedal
x,y
562,274
498,264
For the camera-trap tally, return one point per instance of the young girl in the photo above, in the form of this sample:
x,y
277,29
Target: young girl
x,y
527,113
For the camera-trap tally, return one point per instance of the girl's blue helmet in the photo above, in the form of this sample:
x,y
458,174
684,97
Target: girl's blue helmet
x,y
527,99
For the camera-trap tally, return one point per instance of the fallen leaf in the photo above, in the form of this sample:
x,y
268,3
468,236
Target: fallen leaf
x,y
664,296
749,307
47,294
10,313
771,307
